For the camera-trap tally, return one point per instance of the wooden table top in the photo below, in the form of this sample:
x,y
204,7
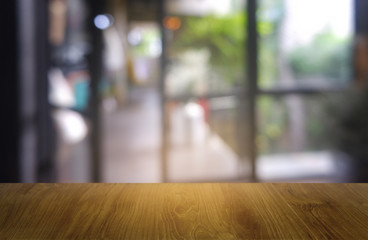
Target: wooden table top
x,y
184,211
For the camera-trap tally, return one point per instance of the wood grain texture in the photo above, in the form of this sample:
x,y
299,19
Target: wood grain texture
x,y
184,211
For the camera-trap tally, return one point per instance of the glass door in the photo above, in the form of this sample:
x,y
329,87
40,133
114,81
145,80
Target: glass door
x,y
203,90
305,60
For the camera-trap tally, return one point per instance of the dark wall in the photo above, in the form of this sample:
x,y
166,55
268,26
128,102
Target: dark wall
x,y
25,123
9,94
361,16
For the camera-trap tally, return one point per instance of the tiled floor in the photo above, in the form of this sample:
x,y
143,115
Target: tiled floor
x,y
132,147
132,140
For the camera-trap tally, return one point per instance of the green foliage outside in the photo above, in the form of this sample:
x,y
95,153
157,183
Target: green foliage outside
x,y
224,37
327,55
272,124
148,35
270,16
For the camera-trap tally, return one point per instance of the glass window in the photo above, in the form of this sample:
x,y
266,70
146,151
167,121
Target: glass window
x,y
205,46
305,43
203,140
293,136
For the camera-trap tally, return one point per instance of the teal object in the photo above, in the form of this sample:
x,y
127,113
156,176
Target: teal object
x,y
81,90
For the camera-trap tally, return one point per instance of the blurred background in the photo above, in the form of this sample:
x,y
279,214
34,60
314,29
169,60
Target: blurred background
x,y
184,91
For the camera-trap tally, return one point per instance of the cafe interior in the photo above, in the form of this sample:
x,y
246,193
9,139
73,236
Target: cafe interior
x,y
146,91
